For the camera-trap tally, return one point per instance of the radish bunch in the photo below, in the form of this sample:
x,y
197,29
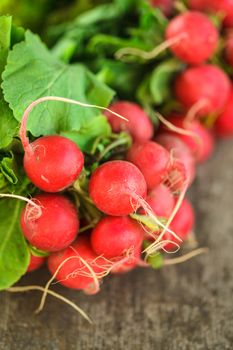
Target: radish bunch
x,y
124,204
133,199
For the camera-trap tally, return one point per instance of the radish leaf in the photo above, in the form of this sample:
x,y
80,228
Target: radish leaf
x,y
14,253
32,72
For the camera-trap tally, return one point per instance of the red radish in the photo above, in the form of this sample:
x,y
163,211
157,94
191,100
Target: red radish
x,y
177,177
161,201
201,146
199,5
223,7
35,262
224,123
152,159
128,265
164,5
113,236
199,37
179,151
53,163
55,228
229,49
138,125
116,186
182,225
201,85
74,273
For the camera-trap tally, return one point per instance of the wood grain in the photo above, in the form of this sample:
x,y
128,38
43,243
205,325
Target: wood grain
x,y
180,307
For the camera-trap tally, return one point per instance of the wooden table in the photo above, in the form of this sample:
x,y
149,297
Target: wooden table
x,y
181,307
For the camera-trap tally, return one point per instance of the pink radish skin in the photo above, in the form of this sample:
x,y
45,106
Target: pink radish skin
x,y
180,152
161,200
201,147
202,84
199,37
224,123
69,274
139,125
113,237
165,6
177,177
55,228
152,159
53,163
35,262
115,187
129,265
182,225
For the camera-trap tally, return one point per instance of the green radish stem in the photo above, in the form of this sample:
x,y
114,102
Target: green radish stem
x,y
148,55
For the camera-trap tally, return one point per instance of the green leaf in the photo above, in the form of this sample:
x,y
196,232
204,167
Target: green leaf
x,y
3,182
8,124
86,136
14,253
17,34
120,76
32,72
161,80
5,37
7,167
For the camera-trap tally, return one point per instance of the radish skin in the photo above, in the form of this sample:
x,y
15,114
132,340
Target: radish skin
x,y
55,228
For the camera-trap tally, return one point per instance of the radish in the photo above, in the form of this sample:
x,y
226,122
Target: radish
x,y
55,228
229,49
223,7
200,5
179,151
129,264
139,125
199,37
113,236
161,201
35,262
54,162
200,86
224,123
152,159
182,224
116,186
78,265
164,5
201,146
177,176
